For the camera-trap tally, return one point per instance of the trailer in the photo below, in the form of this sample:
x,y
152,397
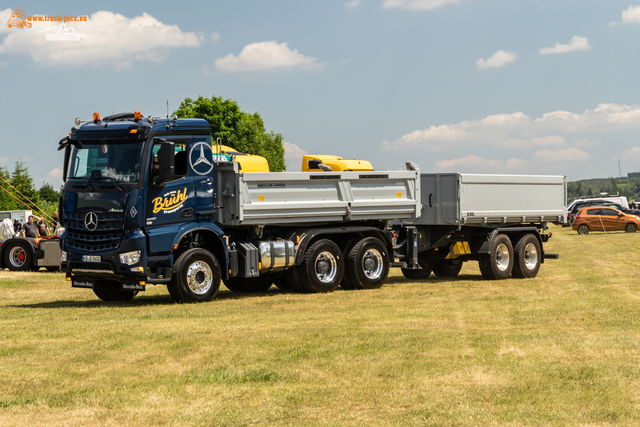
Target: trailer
x,y
145,202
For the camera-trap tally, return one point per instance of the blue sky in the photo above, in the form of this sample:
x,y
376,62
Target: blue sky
x,y
483,86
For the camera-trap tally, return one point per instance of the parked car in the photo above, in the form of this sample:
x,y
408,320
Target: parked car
x,y
604,218
574,207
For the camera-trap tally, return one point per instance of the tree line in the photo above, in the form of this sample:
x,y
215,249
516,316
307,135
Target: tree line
x,y
628,187
18,192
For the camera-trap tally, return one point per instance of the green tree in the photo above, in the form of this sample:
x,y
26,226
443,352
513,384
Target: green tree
x,y
48,194
24,186
7,200
240,130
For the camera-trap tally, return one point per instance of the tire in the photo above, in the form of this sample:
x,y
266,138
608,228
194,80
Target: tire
x,y
366,265
527,257
248,284
423,274
498,264
447,267
17,257
197,276
583,229
109,290
322,269
630,228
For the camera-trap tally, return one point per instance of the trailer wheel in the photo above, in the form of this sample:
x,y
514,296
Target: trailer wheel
x,y
630,228
498,263
17,257
583,229
366,265
248,284
527,256
423,274
322,269
447,267
108,290
197,275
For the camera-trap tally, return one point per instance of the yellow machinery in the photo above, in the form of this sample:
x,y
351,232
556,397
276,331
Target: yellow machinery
x,y
313,162
248,162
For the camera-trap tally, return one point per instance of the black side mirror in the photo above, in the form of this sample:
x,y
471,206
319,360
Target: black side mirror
x,y
166,160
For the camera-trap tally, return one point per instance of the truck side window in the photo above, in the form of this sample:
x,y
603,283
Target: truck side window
x,y
181,158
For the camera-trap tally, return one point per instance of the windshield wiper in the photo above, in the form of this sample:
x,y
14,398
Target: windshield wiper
x,y
87,182
113,181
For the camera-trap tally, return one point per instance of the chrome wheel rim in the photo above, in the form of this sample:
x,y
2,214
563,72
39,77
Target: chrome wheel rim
x,y
530,256
502,257
372,264
199,277
17,256
326,267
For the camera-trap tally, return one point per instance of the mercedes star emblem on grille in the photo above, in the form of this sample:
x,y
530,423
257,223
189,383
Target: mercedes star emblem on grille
x,y
91,221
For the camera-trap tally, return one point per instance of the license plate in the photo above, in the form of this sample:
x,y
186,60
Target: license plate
x,y
82,284
91,258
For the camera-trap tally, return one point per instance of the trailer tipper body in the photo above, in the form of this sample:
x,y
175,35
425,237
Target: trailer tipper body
x,y
148,201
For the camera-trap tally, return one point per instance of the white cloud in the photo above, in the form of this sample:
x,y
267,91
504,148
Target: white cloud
x,y
353,4
631,15
577,43
498,59
571,154
586,143
55,173
476,164
4,17
265,56
293,156
519,130
110,39
417,4
631,154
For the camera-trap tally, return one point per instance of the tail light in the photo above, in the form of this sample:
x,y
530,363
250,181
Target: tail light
x,y
577,215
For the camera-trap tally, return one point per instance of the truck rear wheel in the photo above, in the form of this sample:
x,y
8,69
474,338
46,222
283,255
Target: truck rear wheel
x,y
109,290
498,263
17,257
366,265
248,284
447,267
527,256
422,274
322,269
197,276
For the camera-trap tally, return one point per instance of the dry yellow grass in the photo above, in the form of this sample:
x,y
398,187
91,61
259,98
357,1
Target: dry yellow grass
x,y
560,349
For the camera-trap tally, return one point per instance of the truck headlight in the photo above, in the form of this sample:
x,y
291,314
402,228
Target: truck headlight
x,y
130,258
63,256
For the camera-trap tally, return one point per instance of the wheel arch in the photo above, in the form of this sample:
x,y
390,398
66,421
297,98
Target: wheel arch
x,y
205,236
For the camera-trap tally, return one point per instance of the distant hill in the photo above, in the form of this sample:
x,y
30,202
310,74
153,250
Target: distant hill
x,y
628,187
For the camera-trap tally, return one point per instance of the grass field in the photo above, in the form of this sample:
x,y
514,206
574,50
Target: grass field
x,y
560,349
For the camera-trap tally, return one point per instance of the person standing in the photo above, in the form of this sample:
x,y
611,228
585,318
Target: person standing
x,y
30,229
42,228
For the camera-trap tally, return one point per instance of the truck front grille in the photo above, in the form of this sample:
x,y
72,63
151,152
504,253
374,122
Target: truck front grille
x,y
106,236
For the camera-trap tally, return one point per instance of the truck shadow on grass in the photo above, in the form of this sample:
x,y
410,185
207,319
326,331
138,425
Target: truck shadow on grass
x,y
142,300
435,279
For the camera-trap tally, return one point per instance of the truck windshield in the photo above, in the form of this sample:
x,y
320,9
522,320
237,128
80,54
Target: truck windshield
x,y
117,160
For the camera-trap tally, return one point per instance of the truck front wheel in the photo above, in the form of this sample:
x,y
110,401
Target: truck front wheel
x,y
366,265
322,268
17,257
498,263
109,290
196,276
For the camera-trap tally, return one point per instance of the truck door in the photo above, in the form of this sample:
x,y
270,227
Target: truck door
x,y
201,165
172,203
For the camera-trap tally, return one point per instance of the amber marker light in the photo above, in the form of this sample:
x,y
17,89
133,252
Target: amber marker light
x,y
133,131
96,117
137,115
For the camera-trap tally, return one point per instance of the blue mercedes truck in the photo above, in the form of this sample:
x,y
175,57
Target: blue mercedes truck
x,y
153,201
